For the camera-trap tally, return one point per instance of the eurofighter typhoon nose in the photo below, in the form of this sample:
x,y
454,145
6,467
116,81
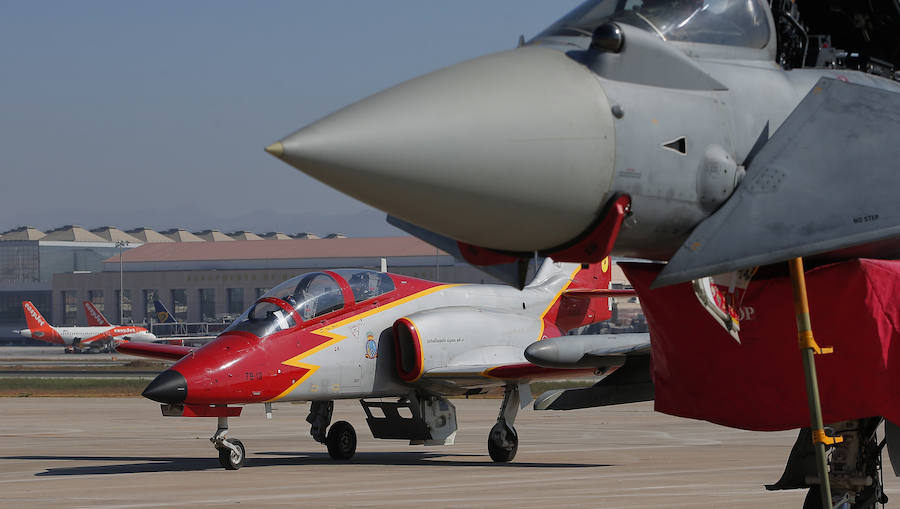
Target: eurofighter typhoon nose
x,y
490,151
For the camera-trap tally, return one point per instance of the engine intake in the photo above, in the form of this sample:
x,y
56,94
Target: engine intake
x,y
408,348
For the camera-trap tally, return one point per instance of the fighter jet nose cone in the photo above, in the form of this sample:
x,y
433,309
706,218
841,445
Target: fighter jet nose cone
x,y
276,149
523,137
169,386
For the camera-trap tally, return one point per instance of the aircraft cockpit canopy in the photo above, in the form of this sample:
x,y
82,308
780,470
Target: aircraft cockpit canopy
x,y
366,284
726,22
311,295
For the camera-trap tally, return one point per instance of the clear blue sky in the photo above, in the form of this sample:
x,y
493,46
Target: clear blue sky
x,y
156,113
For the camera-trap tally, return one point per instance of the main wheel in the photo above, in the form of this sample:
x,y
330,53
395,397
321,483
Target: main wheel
x,y
341,441
232,460
503,442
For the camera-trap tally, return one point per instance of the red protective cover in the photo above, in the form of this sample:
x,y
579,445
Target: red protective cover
x,y
700,372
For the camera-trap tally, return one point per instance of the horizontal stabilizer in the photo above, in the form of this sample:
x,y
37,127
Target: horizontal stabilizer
x,y
589,350
826,181
629,384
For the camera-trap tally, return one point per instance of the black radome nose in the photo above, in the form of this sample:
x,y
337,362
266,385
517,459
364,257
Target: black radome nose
x,y
169,386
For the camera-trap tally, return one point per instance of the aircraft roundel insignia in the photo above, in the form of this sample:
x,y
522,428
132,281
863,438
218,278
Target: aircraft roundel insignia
x,y
604,265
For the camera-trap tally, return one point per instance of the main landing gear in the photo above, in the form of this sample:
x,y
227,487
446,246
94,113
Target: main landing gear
x,y
854,467
340,438
503,441
231,451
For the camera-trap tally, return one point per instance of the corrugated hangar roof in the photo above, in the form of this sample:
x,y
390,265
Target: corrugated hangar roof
x,y
275,236
73,233
148,235
244,235
182,235
213,236
24,233
279,249
113,234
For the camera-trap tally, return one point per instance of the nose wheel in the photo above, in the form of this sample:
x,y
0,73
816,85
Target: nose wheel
x,y
231,450
231,456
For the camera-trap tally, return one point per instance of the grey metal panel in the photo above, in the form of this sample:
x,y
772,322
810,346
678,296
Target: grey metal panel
x,y
825,181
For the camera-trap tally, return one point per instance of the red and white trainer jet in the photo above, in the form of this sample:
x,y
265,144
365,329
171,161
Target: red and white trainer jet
x,y
360,334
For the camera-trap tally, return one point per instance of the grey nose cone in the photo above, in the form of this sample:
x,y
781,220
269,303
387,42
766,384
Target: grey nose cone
x,y
543,353
169,386
511,151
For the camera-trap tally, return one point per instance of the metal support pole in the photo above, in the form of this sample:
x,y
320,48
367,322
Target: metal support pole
x,y
121,287
808,348
121,244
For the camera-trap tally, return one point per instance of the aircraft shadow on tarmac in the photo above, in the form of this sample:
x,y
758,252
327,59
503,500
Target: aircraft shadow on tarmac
x,y
138,465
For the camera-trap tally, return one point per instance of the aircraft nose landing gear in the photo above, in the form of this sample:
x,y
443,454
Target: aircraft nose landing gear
x,y
231,451
503,441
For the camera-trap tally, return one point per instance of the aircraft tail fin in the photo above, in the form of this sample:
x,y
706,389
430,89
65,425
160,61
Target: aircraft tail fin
x,y
162,314
37,324
585,300
94,317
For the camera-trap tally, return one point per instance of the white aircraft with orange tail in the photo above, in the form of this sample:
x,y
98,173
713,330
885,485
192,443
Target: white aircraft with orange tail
x,y
92,338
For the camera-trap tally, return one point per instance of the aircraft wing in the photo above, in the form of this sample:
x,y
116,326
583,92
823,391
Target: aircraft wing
x,y
824,184
154,350
178,340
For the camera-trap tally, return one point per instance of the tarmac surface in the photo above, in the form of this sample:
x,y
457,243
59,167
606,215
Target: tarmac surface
x,y
42,356
121,453
53,362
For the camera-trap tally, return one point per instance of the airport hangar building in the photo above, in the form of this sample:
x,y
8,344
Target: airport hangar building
x,y
215,281
204,276
200,277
